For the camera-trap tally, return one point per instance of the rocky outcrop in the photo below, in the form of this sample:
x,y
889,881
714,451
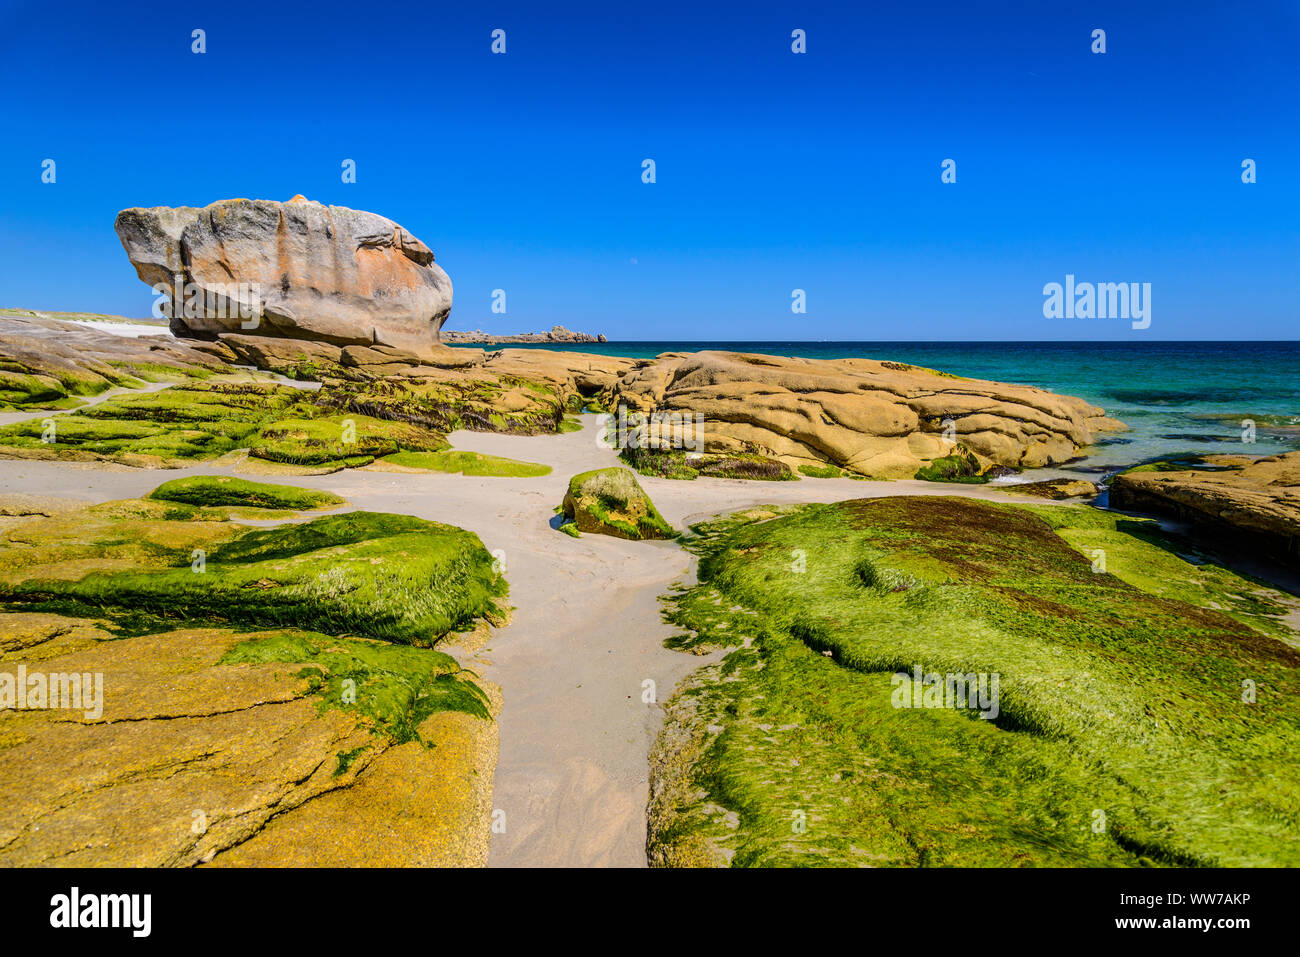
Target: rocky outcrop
x,y
211,735
194,760
1256,502
557,334
299,270
870,418
1057,488
48,363
880,419
1105,680
582,372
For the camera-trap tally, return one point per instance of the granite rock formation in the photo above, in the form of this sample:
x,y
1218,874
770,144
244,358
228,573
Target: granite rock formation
x,y
298,269
879,419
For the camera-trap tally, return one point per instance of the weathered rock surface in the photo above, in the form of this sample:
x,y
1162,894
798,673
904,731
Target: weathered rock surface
x,y
1259,500
46,361
581,372
881,419
231,745
303,357
195,761
871,418
309,271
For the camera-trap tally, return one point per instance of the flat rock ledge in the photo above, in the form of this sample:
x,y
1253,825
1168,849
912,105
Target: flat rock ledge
x,y
1258,502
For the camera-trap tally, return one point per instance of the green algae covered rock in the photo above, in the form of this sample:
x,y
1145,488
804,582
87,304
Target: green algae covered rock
x,y
939,681
271,682
344,424
1057,488
612,502
960,466
149,563
221,490
460,461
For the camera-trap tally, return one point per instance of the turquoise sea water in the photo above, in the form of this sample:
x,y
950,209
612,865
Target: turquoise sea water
x,y
1176,397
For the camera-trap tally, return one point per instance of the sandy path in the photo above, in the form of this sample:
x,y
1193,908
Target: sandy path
x,y
572,775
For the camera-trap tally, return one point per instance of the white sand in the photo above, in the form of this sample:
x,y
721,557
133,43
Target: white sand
x,y
131,329
572,777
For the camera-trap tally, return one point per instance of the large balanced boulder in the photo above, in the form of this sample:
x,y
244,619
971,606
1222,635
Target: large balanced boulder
x,y
879,419
612,502
1259,502
298,269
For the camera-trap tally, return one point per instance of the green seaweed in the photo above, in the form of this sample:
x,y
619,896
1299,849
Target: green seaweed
x,y
348,422
681,465
394,577
468,463
612,502
220,490
1123,736
374,589
394,687
821,471
960,466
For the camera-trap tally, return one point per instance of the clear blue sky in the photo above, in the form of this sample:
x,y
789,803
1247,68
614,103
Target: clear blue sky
x,y
775,171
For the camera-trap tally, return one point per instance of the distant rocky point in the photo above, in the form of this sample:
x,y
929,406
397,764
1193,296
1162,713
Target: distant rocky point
x,y
557,334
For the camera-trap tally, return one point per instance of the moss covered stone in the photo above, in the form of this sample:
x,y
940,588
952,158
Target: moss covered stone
x,y
821,471
221,490
467,463
1057,488
149,563
960,466
612,502
347,423
683,465
277,673
339,441
394,687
